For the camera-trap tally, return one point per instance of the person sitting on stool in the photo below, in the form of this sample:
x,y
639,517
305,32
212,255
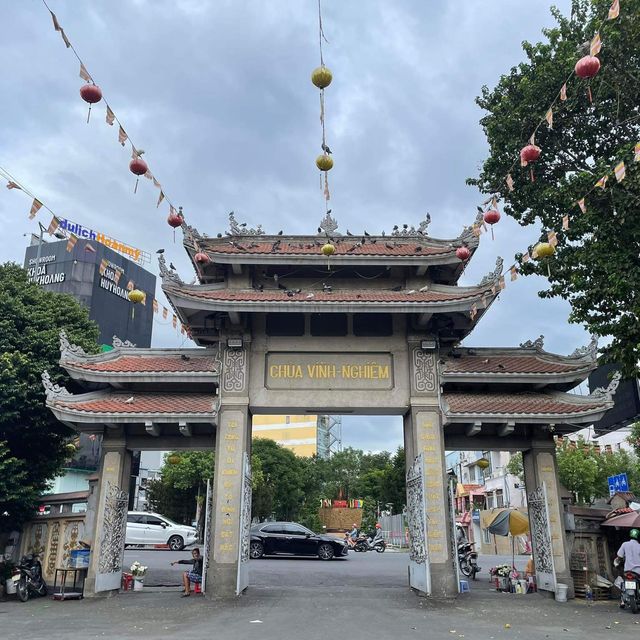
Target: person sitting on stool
x,y
195,575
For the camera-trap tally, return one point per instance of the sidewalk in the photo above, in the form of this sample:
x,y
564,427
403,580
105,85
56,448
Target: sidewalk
x,y
276,613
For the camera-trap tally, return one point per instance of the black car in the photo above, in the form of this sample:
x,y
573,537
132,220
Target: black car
x,y
270,538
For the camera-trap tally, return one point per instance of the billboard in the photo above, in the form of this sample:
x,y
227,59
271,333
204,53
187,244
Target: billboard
x,y
626,409
100,278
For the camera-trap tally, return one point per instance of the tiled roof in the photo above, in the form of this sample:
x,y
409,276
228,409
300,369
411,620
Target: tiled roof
x,y
519,403
144,403
379,247
510,364
149,364
349,295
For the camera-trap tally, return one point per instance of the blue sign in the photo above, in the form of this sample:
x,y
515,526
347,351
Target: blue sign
x,y
618,483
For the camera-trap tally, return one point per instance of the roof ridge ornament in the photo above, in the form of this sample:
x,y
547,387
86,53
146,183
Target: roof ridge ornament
x,y
468,234
191,232
53,391
69,351
607,393
591,350
168,275
411,230
537,344
241,229
117,343
494,275
328,225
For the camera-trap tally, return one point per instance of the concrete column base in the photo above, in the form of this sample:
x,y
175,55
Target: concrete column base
x,y
223,579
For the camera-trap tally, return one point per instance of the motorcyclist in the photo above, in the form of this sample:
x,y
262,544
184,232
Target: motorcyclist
x,y
353,535
629,551
375,535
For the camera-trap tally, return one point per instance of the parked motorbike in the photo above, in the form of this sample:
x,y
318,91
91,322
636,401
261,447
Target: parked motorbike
x,y
367,544
468,559
28,579
631,591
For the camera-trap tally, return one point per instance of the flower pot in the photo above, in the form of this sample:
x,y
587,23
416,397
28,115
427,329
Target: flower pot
x,y
138,583
9,586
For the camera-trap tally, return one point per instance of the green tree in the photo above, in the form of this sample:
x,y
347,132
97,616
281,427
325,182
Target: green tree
x,y
634,438
578,470
515,466
596,265
30,324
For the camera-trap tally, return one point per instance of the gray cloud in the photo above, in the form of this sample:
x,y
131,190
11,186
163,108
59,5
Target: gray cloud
x,y
219,96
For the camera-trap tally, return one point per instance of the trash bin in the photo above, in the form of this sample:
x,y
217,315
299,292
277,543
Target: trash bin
x,y
561,592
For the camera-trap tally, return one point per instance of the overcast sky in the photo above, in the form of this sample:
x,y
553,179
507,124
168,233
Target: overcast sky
x,y
218,95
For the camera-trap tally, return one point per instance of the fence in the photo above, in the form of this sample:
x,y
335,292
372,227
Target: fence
x,y
395,530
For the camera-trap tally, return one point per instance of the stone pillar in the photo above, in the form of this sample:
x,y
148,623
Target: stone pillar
x,y
424,435
540,466
108,533
233,439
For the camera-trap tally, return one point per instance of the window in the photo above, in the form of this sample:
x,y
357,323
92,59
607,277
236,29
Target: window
x,y
491,501
285,324
153,521
135,518
499,498
372,324
294,530
272,528
486,536
328,324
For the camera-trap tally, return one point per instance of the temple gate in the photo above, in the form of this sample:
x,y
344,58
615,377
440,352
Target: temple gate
x,y
374,329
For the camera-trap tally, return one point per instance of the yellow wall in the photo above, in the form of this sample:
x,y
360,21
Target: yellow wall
x,y
297,433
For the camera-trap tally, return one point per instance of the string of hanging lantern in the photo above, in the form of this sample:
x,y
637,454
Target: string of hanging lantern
x,y
92,94
321,77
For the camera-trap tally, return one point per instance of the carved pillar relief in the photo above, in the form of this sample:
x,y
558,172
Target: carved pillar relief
x,y
234,371
424,372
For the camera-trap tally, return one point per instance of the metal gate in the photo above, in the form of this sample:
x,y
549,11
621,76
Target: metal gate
x,y
541,538
245,526
419,572
114,527
207,535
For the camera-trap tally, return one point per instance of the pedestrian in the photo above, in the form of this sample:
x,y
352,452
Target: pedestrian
x,y
194,575
629,551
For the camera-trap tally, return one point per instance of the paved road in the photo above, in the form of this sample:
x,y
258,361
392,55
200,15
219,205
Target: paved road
x,y
387,569
364,596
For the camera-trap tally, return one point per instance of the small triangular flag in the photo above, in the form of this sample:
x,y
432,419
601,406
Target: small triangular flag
x,y
565,222
71,243
514,273
549,118
582,205
620,171
122,136
35,207
110,116
160,198
552,238
84,74
509,182
602,183
614,10
596,45
563,92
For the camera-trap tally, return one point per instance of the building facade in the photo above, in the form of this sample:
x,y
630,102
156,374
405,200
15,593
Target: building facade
x,y
371,325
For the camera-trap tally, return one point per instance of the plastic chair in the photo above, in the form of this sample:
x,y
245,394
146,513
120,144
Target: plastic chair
x,y
127,581
197,588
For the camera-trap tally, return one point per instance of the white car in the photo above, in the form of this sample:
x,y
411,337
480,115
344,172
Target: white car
x,y
151,528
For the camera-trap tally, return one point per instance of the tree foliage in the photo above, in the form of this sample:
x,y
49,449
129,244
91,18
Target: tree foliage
x,y
596,265
34,441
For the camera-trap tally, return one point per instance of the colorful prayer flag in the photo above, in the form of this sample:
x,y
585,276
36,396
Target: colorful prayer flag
x,y
552,238
103,266
155,306
156,183
596,45
160,198
582,205
509,182
549,118
90,248
174,321
122,136
620,171
502,283
84,74
514,273
12,185
614,10
65,39
56,24
525,257
181,329
165,312
474,311
53,226
565,222
636,152
148,175
602,183
35,207
110,116
563,92
71,243
130,285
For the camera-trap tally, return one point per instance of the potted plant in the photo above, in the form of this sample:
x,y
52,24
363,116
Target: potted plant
x,y
138,572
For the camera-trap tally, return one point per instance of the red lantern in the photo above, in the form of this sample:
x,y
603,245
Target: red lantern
x,y
586,68
90,93
175,220
202,258
463,253
491,217
138,167
529,154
